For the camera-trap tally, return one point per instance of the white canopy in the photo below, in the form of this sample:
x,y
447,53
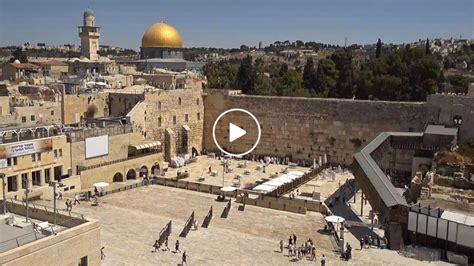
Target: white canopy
x,y
101,184
334,219
228,189
264,188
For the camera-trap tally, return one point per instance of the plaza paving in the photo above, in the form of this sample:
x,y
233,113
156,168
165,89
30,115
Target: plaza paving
x,y
131,220
201,168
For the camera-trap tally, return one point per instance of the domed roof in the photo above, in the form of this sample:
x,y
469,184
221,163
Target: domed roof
x,y
88,12
162,35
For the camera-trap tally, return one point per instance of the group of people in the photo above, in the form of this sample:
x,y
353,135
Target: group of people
x,y
306,249
368,241
184,256
294,194
69,203
347,255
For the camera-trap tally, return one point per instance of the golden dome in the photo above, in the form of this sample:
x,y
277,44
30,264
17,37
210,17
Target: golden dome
x,y
162,35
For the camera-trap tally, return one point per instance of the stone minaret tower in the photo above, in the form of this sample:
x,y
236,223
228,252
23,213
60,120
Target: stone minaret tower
x,y
89,35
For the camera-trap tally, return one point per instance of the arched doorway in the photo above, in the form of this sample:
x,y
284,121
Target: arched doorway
x,y
155,169
131,174
194,152
118,177
144,171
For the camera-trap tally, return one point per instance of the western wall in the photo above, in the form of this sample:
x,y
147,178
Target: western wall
x,y
306,128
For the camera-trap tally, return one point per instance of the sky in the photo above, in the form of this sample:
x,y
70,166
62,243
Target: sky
x,y
230,23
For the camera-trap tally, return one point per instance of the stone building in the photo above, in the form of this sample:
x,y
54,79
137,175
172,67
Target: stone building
x,y
17,72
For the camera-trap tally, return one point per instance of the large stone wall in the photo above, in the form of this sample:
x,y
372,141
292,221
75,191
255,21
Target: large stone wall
x,y
445,108
75,106
306,128
177,110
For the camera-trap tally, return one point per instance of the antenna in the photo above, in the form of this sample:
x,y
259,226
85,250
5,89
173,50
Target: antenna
x,y
345,42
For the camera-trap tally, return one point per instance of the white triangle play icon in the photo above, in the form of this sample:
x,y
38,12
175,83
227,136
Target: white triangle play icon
x,y
235,132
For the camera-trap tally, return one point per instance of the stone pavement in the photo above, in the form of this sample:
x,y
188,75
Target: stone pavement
x,y
131,220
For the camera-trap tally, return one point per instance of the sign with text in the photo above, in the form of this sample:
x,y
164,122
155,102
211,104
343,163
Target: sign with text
x,y
26,147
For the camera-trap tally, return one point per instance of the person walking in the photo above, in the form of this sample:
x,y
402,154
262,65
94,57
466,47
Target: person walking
x,y
323,260
60,195
361,242
102,253
67,204
290,241
76,199
156,246
184,258
176,246
166,244
281,246
313,253
294,239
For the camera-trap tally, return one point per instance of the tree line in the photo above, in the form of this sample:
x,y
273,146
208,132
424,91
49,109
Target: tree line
x,y
407,74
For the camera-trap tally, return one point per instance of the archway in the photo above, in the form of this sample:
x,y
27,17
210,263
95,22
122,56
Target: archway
x,y
155,169
131,174
118,177
144,171
194,152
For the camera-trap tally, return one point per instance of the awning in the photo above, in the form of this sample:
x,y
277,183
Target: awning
x,y
150,144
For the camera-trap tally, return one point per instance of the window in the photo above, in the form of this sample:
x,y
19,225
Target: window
x,y
174,120
52,112
32,118
23,119
36,177
24,180
55,153
47,175
179,101
38,156
33,158
186,118
199,116
159,121
9,161
12,183
60,152
15,161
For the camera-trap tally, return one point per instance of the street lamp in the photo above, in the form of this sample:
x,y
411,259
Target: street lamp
x,y
54,184
27,191
4,194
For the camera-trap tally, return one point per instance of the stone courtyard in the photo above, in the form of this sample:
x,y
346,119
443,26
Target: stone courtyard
x,y
131,221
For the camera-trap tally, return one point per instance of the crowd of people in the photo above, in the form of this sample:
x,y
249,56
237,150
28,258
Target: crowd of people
x,y
307,249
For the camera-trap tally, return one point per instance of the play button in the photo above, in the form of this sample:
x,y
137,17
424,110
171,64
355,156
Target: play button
x,y
235,132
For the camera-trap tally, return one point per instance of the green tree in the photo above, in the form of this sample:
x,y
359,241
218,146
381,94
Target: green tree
x,y
245,79
427,46
326,77
19,55
378,51
344,86
290,85
309,75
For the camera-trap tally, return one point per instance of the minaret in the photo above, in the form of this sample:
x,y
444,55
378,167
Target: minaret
x,y
89,35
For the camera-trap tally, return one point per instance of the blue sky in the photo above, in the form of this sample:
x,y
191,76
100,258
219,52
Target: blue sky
x,y
230,23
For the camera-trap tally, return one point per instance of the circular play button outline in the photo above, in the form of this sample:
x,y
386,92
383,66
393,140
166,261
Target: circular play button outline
x,y
236,110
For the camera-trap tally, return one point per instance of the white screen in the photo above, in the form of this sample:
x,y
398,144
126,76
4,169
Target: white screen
x,y
432,226
97,146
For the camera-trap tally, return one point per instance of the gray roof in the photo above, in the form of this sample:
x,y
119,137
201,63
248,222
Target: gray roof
x,y
441,130
385,189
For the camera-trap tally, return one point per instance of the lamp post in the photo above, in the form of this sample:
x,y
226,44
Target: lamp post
x,y
53,184
4,194
27,191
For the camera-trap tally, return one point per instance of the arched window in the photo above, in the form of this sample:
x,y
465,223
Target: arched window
x,y
179,101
